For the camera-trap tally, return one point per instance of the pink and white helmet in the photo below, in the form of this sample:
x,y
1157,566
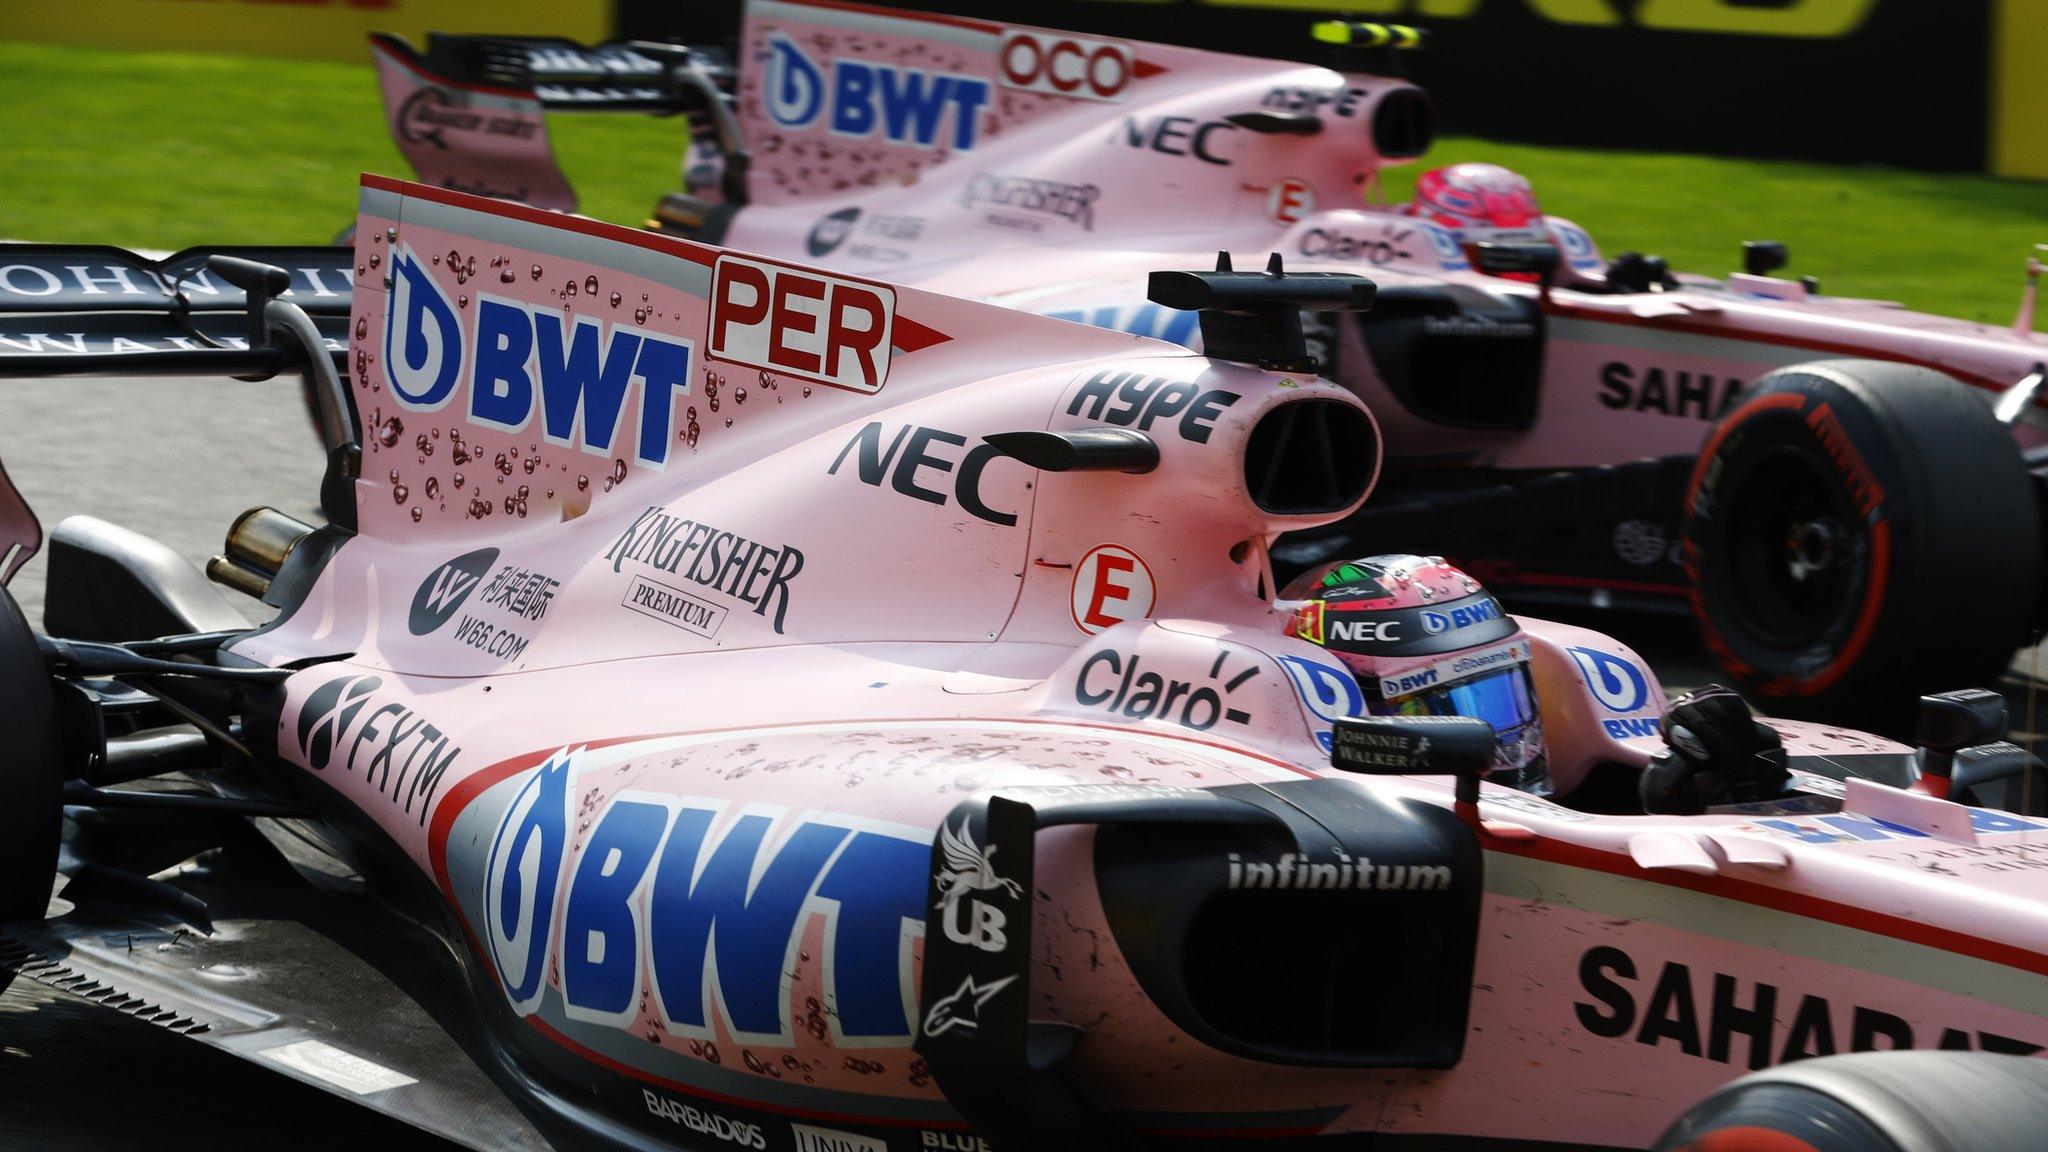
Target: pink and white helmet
x,y
1481,201
1424,639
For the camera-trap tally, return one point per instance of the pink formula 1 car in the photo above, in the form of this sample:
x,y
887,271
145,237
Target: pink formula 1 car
x,y
734,704
1849,533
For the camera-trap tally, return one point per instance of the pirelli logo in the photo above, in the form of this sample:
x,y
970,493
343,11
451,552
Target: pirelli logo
x,y
673,606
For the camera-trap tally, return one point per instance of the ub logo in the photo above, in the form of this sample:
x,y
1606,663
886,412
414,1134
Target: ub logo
x,y
971,868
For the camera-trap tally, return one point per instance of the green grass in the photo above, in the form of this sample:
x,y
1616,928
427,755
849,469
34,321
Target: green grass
x,y
163,150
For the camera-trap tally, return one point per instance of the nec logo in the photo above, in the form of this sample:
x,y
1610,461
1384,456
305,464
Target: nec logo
x,y
1369,630
1065,66
800,323
1437,622
905,105
577,371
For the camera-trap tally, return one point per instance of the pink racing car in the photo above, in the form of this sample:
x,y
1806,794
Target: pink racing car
x,y
1577,429
737,704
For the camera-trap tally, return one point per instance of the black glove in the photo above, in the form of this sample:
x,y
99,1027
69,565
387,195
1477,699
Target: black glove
x,y
1716,752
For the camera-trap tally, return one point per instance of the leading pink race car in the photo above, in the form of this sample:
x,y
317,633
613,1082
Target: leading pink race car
x,y
1577,429
737,704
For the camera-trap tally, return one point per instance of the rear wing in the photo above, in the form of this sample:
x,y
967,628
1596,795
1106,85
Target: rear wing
x,y
247,312
87,307
469,112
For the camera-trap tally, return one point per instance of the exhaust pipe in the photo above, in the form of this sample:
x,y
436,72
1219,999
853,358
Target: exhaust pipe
x,y
258,544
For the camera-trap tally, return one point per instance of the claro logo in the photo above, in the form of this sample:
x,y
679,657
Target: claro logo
x,y
1799,19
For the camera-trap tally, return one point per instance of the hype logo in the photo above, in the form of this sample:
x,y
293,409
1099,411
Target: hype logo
x,y
1616,683
524,873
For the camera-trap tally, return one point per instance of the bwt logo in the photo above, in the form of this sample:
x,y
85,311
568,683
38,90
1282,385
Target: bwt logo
x,y
1329,694
1616,683
905,105
796,322
705,906
1439,622
576,370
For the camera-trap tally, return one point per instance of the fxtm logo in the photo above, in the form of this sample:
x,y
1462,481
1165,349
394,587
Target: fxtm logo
x,y
905,105
400,754
703,904
576,371
1616,683
445,589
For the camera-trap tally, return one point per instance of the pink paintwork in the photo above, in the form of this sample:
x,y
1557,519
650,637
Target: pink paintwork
x,y
705,562
1063,205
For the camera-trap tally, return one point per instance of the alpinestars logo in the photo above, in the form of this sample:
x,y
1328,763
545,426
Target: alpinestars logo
x,y
971,868
962,1008
446,587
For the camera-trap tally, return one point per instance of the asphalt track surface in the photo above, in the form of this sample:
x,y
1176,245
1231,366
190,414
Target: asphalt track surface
x,y
179,460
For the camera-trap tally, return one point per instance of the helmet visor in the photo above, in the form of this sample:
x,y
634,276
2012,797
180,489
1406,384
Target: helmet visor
x,y
1502,699
1505,699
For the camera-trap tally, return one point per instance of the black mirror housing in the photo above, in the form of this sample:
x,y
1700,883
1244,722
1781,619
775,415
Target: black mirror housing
x,y
1497,259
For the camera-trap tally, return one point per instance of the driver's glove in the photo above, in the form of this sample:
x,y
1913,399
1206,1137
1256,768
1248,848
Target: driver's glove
x,y
1716,752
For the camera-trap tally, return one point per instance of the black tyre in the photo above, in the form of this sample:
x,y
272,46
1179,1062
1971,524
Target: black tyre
x,y
1857,533
31,777
1875,1102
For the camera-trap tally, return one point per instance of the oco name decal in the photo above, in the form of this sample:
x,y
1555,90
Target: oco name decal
x,y
706,906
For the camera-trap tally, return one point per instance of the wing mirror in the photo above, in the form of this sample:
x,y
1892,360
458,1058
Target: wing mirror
x,y
1763,257
1494,259
1416,746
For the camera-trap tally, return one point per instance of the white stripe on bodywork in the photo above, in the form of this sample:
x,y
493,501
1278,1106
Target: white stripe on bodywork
x,y
1604,894
1612,335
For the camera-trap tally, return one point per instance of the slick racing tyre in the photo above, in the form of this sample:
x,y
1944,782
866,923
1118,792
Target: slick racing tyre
x,y
1858,533
1875,1102
31,779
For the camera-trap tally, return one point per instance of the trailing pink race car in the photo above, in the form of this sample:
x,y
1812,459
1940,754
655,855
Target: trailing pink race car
x,y
736,704
1576,428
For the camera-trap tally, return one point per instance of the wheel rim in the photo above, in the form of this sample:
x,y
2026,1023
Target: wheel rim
x,y
1796,561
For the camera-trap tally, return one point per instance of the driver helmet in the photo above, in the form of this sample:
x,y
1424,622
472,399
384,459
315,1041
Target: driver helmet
x,y
1424,639
1478,201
